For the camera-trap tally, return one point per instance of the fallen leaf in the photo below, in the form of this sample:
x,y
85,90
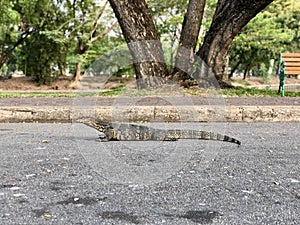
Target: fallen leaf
x,y
47,215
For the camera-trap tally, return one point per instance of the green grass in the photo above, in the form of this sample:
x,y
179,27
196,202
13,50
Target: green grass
x,y
241,81
113,92
255,92
237,92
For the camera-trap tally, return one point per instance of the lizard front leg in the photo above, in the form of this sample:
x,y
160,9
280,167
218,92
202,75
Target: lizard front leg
x,y
103,137
170,139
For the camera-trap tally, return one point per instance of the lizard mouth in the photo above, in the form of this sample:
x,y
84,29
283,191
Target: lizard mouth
x,y
102,136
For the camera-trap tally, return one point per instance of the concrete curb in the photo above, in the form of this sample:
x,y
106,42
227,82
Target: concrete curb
x,y
137,114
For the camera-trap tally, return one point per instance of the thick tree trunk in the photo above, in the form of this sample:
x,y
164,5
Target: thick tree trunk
x,y
188,40
230,17
143,41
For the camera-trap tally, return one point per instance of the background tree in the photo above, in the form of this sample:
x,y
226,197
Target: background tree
x,y
137,25
85,27
42,55
188,40
43,50
18,19
229,18
77,31
168,16
141,36
56,34
274,30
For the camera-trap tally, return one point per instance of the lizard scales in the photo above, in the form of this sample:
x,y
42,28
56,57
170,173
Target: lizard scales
x,y
134,132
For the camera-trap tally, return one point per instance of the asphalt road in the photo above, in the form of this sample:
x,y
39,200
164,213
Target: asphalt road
x,y
61,174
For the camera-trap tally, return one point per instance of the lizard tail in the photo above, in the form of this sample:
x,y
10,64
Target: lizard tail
x,y
216,136
198,134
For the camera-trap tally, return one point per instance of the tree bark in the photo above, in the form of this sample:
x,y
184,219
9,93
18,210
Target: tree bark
x,y
230,17
188,40
142,39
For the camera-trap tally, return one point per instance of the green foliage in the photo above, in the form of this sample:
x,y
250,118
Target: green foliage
x,y
30,43
42,54
112,92
9,20
3,70
274,30
39,35
105,46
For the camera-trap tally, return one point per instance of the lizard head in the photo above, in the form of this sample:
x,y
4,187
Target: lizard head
x,y
106,129
103,126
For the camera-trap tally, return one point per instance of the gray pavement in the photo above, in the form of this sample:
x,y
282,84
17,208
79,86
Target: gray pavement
x,y
57,174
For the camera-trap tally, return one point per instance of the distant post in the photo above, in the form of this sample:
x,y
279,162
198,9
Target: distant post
x,y
281,76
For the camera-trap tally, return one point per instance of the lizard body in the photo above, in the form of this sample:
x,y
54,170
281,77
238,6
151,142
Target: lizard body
x,y
134,132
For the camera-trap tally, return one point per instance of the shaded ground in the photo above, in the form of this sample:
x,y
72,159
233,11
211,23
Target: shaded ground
x,y
27,83
66,83
149,101
62,84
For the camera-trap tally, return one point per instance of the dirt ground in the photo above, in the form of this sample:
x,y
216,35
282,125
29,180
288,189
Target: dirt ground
x,y
66,83
27,84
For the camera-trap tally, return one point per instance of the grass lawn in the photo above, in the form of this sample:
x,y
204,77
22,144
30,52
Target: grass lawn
x,y
237,92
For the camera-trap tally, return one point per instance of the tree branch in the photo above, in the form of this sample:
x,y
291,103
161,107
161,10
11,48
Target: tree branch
x,y
92,39
95,26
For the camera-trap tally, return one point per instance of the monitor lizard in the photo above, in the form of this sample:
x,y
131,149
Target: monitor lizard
x,y
135,132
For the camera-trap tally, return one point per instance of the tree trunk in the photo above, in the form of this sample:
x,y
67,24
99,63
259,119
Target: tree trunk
x,y
3,56
230,17
81,49
143,41
77,76
188,40
62,69
236,66
247,71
